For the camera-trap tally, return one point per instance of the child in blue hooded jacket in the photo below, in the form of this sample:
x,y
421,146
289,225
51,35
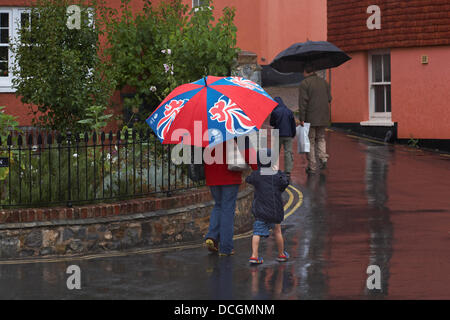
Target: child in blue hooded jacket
x,y
267,207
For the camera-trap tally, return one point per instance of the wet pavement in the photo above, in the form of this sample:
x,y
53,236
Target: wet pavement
x,y
375,204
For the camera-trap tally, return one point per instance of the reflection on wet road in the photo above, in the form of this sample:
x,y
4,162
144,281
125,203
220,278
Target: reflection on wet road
x,y
376,204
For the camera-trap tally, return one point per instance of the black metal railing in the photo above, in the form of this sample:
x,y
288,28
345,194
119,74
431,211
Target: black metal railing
x,y
45,169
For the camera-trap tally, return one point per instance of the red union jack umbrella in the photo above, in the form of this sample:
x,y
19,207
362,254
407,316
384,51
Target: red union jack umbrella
x,y
226,107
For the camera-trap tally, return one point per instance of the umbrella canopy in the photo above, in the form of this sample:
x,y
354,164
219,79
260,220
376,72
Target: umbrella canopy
x,y
225,106
320,54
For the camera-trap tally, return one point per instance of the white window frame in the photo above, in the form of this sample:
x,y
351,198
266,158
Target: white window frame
x,y
6,82
377,118
14,21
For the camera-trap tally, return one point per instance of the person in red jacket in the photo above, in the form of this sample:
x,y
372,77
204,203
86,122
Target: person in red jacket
x,y
224,187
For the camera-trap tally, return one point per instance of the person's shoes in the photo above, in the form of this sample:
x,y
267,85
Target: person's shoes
x,y
211,244
254,260
323,165
221,254
283,258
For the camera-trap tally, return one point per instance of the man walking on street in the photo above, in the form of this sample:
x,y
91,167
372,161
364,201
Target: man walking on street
x,y
314,99
282,118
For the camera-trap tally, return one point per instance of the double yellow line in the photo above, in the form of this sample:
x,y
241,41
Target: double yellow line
x,y
289,204
291,199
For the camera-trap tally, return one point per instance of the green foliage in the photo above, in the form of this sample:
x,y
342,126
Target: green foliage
x,y
96,117
58,69
205,48
7,123
159,48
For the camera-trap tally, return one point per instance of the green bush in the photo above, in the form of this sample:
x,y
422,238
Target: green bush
x,y
95,117
58,69
159,48
8,123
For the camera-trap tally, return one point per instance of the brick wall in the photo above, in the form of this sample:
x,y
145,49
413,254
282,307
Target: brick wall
x,y
103,210
405,23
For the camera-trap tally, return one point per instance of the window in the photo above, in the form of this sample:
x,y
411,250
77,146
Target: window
x,y
380,86
198,3
5,33
10,21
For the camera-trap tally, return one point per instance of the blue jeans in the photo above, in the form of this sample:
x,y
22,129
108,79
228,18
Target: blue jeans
x,y
221,223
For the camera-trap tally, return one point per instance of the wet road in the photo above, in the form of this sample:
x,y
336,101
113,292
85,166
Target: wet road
x,y
375,205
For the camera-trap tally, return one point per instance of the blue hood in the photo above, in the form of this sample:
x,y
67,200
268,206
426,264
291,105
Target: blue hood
x,y
280,102
282,118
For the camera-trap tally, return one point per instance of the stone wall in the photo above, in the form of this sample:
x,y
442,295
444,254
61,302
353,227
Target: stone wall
x,y
149,229
247,67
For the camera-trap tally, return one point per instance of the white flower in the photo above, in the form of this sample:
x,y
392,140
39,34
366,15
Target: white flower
x,y
75,155
168,51
108,156
166,67
34,148
153,89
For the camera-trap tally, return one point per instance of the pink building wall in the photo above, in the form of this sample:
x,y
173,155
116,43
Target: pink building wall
x,y
267,27
247,20
288,21
349,90
420,93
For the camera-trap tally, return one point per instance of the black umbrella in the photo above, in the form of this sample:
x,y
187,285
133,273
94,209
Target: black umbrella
x,y
320,54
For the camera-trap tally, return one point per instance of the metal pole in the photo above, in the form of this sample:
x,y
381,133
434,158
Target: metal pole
x,y
329,82
69,182
169,160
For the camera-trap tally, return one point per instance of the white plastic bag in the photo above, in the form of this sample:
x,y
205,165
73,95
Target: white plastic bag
x,y
303,139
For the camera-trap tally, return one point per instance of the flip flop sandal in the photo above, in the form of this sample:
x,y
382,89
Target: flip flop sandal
x,y
283,258
253,260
